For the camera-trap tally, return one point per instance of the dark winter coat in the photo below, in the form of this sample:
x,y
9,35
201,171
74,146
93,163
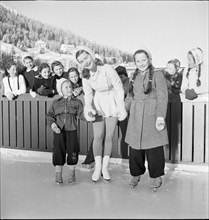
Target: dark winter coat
x,y
174,86
48,86
64,112
145,108
29,77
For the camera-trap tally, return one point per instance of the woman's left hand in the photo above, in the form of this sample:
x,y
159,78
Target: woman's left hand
x,y
160,123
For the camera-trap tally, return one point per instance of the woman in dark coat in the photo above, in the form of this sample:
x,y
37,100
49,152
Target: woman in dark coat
x,y
146,132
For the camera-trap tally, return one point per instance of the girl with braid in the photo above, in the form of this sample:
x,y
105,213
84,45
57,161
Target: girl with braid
x,y
195,78
146,132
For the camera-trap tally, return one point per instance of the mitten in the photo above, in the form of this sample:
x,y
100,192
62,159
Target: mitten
x,y
160,123
89,113
77,91
55,128
40,89
48,92
190,94
122,110
10,96
33,94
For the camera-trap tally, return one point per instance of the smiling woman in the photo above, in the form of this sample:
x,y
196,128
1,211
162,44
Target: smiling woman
x,y
102,106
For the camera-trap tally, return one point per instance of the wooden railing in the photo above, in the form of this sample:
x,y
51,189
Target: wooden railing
x,y
23,126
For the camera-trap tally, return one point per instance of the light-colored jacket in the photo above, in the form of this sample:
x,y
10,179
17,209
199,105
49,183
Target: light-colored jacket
x,y
16,85
190,82
104,92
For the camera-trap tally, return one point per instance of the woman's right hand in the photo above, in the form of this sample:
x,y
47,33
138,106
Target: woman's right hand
x,y
89,114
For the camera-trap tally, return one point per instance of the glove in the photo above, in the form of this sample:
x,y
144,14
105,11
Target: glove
x,y
33,94
77,91
10,96
89,113
40,89
160,123
122,113
190,94
55,128
48,92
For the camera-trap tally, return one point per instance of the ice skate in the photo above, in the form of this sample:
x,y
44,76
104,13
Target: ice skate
x,y
71,177
155,184
105,173
97,170
58,174
58,177
88,166
134,181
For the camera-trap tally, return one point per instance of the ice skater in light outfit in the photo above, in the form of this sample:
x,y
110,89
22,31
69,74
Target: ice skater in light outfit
x,y
104,100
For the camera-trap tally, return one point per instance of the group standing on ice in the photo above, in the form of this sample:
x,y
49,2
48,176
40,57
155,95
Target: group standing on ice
x,y
103,95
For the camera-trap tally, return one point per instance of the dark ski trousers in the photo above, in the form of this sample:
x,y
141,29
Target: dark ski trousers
x,y
155,159
65,143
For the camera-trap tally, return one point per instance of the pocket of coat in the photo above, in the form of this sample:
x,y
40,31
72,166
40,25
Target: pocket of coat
x,y
151,107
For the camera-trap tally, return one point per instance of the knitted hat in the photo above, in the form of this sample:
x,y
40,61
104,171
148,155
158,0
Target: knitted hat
x,y
147,51
88,50
177,62
121,70
59,83
198,55
99,57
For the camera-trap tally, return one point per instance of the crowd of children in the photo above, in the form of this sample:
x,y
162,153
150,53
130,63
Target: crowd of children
x,y
104,96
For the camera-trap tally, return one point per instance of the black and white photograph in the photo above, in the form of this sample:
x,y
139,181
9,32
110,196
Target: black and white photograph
x,y
104,109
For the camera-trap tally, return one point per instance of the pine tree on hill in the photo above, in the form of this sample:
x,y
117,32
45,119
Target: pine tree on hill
x,y
23,32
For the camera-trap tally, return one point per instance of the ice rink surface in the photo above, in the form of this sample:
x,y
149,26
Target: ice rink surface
x,y
28,190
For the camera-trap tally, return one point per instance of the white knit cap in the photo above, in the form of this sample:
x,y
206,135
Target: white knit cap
x,y
59,83
147,51
198,55
88,50
99,57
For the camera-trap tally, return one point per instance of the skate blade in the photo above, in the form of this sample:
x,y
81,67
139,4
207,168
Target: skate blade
x,y
71,182
154,190
59,183
106,180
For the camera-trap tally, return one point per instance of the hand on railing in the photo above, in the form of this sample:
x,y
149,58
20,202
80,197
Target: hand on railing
x,y
40,89
89,113
190,94
33,94
10,95
55,128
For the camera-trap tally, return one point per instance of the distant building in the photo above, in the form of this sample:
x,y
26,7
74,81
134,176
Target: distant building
x,y
40,44
67,48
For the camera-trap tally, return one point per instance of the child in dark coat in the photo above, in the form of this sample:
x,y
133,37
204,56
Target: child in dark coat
x,y
44,83
30,72
62,118
173,80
